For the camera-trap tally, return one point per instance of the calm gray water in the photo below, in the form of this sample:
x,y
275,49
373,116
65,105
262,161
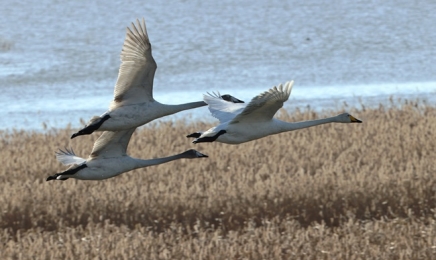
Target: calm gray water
x,y
59,59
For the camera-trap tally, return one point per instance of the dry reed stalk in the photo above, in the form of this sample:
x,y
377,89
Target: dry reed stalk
x,y
336,191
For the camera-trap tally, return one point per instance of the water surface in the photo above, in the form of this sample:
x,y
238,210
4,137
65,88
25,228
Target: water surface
x,y
59,59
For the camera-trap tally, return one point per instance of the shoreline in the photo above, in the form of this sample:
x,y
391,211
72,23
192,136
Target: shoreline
x,y
321,106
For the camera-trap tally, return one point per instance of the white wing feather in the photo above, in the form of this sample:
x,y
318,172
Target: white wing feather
x,y
112,144
221,109
135,77
264,106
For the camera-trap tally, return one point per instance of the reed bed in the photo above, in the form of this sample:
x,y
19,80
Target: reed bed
x,y
336,191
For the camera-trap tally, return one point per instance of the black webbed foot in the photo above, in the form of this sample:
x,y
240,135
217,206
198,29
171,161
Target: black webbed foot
x,y
194,135
55,177
67,172
209,139
92,127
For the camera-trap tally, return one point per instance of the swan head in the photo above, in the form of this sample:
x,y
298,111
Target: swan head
x,y
230,98
347,118
193,154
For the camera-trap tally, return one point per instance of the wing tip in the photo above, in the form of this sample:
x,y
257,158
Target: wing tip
x,y
288,87
283,89
136,37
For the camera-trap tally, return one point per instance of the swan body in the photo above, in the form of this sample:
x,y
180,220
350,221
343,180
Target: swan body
x,y
109,159
133,104
240,123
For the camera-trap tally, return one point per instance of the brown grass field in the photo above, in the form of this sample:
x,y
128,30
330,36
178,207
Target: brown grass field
x,y
336,191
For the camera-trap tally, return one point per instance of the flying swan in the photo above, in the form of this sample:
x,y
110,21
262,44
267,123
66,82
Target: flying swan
x,y
133,104
109,159
240,123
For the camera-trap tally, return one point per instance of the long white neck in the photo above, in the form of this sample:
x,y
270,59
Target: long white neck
x,y
291,126
140,163
171,109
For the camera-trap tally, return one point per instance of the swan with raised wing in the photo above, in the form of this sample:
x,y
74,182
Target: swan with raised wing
x,y
240,123
109,159
133,104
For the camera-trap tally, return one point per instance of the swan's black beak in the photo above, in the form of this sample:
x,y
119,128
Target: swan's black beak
x,y
355,120
202,155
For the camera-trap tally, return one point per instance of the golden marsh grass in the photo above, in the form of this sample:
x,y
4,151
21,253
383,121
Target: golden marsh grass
x,y
336,191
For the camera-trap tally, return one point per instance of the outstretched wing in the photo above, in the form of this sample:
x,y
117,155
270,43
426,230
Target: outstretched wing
x,y
264,106
221,109
135,77
68,157
112,144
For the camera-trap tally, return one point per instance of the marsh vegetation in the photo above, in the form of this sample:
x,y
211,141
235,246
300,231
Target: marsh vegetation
x,y
336,191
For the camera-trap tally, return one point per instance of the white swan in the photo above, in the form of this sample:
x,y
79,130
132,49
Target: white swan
x,y
133,104
240,123
109,159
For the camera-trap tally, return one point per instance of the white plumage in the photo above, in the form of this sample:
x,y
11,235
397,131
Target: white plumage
x,y
241,123
109,159
133,104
